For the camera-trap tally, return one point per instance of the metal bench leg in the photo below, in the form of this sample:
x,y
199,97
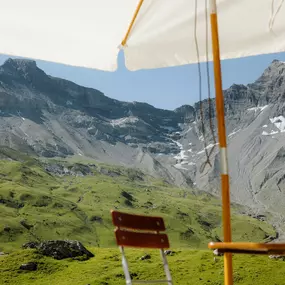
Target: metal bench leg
x,y
166,267
126,267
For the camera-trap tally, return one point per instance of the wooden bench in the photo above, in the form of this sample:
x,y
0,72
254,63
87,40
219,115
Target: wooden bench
x,y
141,232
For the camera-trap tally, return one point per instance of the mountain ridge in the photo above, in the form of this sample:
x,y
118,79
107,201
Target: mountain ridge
x,y
52,117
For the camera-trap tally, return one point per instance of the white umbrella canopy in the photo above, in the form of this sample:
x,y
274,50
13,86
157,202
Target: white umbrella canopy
x,y
84,33
88,33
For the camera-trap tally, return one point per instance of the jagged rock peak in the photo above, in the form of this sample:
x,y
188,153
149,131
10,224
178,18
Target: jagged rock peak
x,y
237,87
271,78
24,68
184,109
277,62
275,68
19,63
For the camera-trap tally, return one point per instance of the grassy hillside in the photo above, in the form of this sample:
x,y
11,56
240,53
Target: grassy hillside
x,y
187,267
40,204
57,199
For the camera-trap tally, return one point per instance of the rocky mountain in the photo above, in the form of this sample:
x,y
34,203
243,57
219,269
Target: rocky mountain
x,y
47,116
51,117
255,117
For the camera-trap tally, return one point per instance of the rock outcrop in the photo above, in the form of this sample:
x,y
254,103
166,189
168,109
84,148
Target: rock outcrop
x,y
60,249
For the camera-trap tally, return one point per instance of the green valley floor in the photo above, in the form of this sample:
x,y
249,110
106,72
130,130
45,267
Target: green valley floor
x,y
57,199
187,267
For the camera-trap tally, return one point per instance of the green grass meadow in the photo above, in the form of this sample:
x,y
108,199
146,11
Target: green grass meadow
x,y
36,205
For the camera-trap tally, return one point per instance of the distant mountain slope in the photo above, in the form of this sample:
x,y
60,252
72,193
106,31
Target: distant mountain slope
x,y
57,199
54,117
51,117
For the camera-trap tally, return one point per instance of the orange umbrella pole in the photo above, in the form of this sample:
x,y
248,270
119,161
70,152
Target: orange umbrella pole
x,y
228,270
124,41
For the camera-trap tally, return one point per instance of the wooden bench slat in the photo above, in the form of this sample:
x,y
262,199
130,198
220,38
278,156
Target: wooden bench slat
x,y
137,222
142,240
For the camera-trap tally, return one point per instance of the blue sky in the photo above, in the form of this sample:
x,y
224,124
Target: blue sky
x,y
166,88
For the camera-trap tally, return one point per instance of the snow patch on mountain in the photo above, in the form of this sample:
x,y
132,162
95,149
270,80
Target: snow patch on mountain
x,y
207,147
179,166
279,123
258,108
123,121
233,133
